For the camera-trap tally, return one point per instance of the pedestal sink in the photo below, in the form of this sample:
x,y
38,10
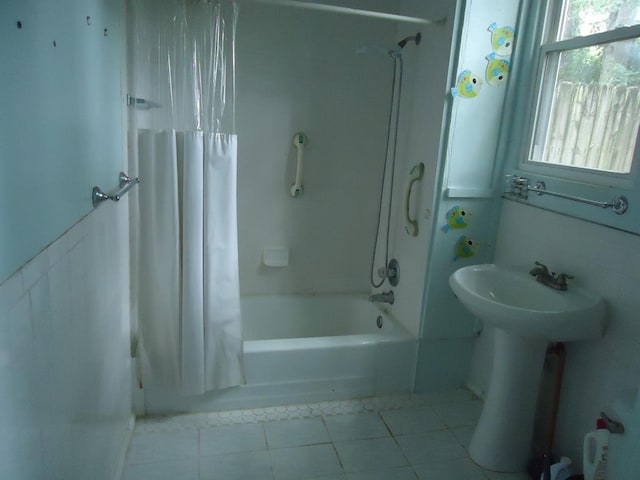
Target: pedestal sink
x,y
527,316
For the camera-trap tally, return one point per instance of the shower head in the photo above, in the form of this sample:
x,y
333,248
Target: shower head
x,y
394,53
416,38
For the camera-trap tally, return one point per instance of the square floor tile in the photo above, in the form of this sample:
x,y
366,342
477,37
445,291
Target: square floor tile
x,y
464,434
232,438
293,433
304,462
149,447
409,421
370,454
236,466
398,473
355,426
459,414
172,470
431,447
460,469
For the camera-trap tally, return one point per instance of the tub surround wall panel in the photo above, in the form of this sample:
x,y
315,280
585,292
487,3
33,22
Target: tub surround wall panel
x,y
423,104
298,71
65,392
604,261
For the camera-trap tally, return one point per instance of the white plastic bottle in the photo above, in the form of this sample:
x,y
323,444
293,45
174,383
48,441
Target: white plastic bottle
x,y
595,452
560,470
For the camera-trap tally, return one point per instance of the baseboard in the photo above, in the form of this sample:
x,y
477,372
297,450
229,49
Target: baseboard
x,y
478,392
122,457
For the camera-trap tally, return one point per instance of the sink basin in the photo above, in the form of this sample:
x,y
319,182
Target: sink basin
x,y
514,301
527,316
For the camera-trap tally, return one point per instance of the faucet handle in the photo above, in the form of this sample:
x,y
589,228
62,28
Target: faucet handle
x,y
542,266
561,278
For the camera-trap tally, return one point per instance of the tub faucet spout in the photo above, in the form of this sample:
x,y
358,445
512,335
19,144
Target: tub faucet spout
x,y
384,297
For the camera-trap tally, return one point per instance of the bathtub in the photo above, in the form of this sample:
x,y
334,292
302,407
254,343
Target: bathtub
x,y
349,318
300,349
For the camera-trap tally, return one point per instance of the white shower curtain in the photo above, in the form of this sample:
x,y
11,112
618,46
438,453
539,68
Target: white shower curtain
x,y
188,285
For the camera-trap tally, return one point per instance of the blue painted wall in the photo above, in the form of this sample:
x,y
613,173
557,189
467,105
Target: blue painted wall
x,y
61,121
470,174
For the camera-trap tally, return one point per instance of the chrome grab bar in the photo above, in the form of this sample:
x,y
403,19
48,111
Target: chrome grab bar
x,y
415,175
125,184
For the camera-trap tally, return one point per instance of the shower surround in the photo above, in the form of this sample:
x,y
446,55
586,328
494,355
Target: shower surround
x,y
293,77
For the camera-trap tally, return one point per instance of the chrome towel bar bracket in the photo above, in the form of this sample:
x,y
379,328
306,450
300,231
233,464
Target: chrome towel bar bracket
x,y
516,186
125,184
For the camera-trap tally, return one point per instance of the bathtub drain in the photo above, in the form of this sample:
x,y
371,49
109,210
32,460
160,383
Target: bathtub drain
x,y
379,321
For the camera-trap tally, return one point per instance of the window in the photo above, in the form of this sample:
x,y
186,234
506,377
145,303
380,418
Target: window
x,y
588,107
572,117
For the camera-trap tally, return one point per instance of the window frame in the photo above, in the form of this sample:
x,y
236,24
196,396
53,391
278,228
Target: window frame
x,y
538,21
546,83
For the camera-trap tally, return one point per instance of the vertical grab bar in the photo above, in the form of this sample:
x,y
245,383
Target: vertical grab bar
x,y
412,223
299,139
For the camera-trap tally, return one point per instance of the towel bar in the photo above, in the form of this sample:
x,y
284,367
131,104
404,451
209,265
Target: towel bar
x,y
124,185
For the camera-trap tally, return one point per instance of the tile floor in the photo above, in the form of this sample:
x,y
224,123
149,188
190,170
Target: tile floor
x,y
385,438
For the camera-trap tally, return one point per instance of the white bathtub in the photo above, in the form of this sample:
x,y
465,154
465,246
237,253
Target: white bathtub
x,y
300,349
308,348
314,316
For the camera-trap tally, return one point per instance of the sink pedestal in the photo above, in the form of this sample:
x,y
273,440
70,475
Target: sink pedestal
x,y
502,438
527,315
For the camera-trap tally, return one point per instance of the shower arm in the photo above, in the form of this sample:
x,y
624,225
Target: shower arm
x,y
416,38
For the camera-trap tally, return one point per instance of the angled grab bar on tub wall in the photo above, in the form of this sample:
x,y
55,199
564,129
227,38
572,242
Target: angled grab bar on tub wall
x,y
416,174
125,184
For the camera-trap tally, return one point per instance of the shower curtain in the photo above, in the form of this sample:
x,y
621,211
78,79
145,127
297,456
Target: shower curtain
x,y
187,275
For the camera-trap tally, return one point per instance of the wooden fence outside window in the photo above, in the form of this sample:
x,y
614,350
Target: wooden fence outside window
x,y
593,126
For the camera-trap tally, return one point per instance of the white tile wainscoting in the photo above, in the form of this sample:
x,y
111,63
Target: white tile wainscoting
x,y
65,375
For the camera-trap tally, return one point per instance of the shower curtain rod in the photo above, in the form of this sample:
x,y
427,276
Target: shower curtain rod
x,y
351,11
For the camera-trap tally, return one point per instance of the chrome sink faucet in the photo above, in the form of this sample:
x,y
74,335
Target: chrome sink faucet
x,y
384,297
550,279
